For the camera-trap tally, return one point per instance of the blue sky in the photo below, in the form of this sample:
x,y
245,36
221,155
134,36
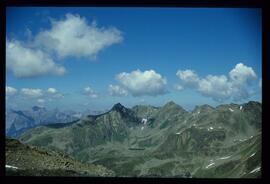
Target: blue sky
x,y
69,57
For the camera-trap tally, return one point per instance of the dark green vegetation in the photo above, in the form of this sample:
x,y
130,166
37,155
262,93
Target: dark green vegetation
x,y
168,141
26,160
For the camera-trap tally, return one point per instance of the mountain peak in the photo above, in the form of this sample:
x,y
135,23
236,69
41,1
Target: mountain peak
x,y
204,108
253,103
171,103
118,107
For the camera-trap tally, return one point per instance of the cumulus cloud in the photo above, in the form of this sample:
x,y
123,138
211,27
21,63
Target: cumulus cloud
x,y
90,92
52,90
73,36
115,90
27,62
188,77
53,93
178,87
140,83
242,74
32,93
10,90
220,88
216,87
40,100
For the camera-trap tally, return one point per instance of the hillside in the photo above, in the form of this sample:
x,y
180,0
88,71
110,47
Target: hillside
x,y
167,141
25,160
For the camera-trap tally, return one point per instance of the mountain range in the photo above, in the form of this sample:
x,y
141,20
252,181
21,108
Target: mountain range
x,y
167,141
19,121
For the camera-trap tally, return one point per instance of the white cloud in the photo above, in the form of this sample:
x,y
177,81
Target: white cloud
x,y
90,92
73,36
242,74
52,90
260,83
143,83
221,88
10,90
241,77
41,101
53,93
178,87
188,77
32,93
116,90
216,87
27,62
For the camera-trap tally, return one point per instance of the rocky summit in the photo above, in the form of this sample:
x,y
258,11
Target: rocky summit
x,y
147,141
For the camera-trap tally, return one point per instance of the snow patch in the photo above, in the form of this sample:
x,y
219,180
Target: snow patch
x,y
210,128
223,158
240,107
178,133
256,170
209,165
12,167
242,140
198,112
144,120
252,155
142,128
231,109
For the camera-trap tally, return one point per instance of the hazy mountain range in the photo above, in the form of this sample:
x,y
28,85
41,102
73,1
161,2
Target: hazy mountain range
x,y
18,121
168,141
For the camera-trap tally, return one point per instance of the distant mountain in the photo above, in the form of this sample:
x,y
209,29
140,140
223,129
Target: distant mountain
x,y
25,160
144,111
168,141
18,121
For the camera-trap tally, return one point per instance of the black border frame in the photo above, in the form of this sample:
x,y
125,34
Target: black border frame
x,y
141,3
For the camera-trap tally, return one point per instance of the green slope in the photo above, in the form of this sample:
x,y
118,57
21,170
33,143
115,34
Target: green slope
x,y
173,142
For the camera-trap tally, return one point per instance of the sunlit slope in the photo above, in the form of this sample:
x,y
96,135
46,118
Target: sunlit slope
x,y
25,160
